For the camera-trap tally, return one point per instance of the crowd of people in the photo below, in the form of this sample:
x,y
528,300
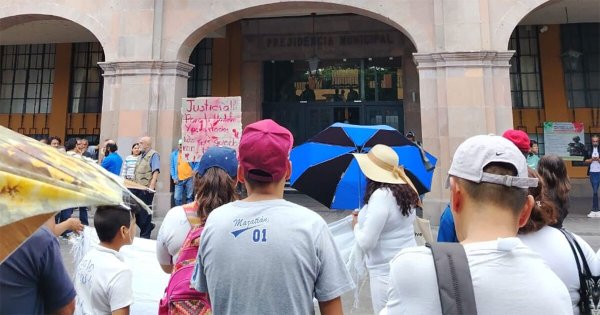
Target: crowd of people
x,y
261,254
142,166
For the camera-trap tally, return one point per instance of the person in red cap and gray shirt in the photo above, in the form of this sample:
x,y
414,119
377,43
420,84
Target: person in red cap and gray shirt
x,y
265,255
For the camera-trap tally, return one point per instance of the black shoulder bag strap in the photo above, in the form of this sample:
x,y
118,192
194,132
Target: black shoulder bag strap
x,y
592,282
454,278
571,240
586,297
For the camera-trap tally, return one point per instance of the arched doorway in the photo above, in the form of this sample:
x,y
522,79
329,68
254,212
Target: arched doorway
x,y
324,69
270,58
555,75
51,82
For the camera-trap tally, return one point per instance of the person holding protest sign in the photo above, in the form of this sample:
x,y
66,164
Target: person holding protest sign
x,y
181,174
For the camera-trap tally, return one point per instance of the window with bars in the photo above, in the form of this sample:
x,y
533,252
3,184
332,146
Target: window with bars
x,y
525,75
86,78
199,82
26,78
581,63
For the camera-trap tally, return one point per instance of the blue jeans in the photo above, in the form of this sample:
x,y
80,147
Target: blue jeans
x,y
595,180
144,219
64,215
184,186
83,215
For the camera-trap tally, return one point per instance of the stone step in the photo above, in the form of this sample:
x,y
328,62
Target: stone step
x,y
581,188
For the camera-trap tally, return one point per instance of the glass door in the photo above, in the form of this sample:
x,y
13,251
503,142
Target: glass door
x,y
355,91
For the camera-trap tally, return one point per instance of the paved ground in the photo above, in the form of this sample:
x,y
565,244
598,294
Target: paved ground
x,y
577,222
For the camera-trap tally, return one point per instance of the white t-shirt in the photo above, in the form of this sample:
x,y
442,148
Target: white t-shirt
x,y
505,281
595,166
172,233
382,231
129,166
103,282
554,248
268,257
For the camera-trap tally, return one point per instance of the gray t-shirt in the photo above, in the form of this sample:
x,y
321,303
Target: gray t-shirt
x,y
268,257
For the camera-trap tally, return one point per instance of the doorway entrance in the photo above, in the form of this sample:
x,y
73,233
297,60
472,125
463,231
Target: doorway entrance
x,y
355,91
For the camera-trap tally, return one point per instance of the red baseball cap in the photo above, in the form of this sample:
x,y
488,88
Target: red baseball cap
x,y
264,151
519,138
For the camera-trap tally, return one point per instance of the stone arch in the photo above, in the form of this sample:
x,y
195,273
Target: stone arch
x,y
419,30
511,18
61,11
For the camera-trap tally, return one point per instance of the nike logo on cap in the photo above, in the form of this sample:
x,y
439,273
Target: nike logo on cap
x,y
499,153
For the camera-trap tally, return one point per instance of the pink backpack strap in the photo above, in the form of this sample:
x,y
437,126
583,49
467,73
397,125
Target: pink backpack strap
x,y
190,213
189,248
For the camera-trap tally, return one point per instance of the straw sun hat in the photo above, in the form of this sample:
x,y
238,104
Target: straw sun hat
x,y
381,165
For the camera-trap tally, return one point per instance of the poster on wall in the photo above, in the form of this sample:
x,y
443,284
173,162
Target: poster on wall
x,y
210,121
565,139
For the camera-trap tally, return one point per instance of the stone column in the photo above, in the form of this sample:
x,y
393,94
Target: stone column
x,y
462,94
144,98
252,81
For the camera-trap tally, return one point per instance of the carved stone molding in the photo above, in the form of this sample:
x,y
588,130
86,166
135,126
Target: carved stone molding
x,y
463,59
153,68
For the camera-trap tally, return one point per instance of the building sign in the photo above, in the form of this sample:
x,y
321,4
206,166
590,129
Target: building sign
x,y
210,121
319,40
565,139
332,37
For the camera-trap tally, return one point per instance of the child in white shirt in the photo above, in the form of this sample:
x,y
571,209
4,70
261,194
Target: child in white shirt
x,y
102,279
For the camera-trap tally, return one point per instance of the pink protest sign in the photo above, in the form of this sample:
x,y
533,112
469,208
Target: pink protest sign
x,y
210,121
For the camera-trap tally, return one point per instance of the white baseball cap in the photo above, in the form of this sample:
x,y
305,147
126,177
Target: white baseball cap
x,y
475,153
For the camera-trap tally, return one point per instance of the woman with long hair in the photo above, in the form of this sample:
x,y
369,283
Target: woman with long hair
x,y
131,161
553,171
384,225
551,243
214,185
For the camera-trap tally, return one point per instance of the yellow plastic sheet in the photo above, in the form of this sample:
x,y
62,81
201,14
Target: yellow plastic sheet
x,y
37,180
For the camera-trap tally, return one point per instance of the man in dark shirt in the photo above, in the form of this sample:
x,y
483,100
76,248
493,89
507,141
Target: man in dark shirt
x,y
308,95
33,280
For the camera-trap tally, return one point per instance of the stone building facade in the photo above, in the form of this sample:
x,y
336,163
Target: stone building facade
x,y
457,79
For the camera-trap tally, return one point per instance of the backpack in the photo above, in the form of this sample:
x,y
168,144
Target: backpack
x,y
180,297
454,278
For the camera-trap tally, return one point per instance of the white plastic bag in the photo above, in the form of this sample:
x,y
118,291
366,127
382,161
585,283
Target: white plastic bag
x,y
351,253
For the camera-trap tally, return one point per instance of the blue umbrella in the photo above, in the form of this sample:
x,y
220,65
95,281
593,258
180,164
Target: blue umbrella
x,y
325,169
